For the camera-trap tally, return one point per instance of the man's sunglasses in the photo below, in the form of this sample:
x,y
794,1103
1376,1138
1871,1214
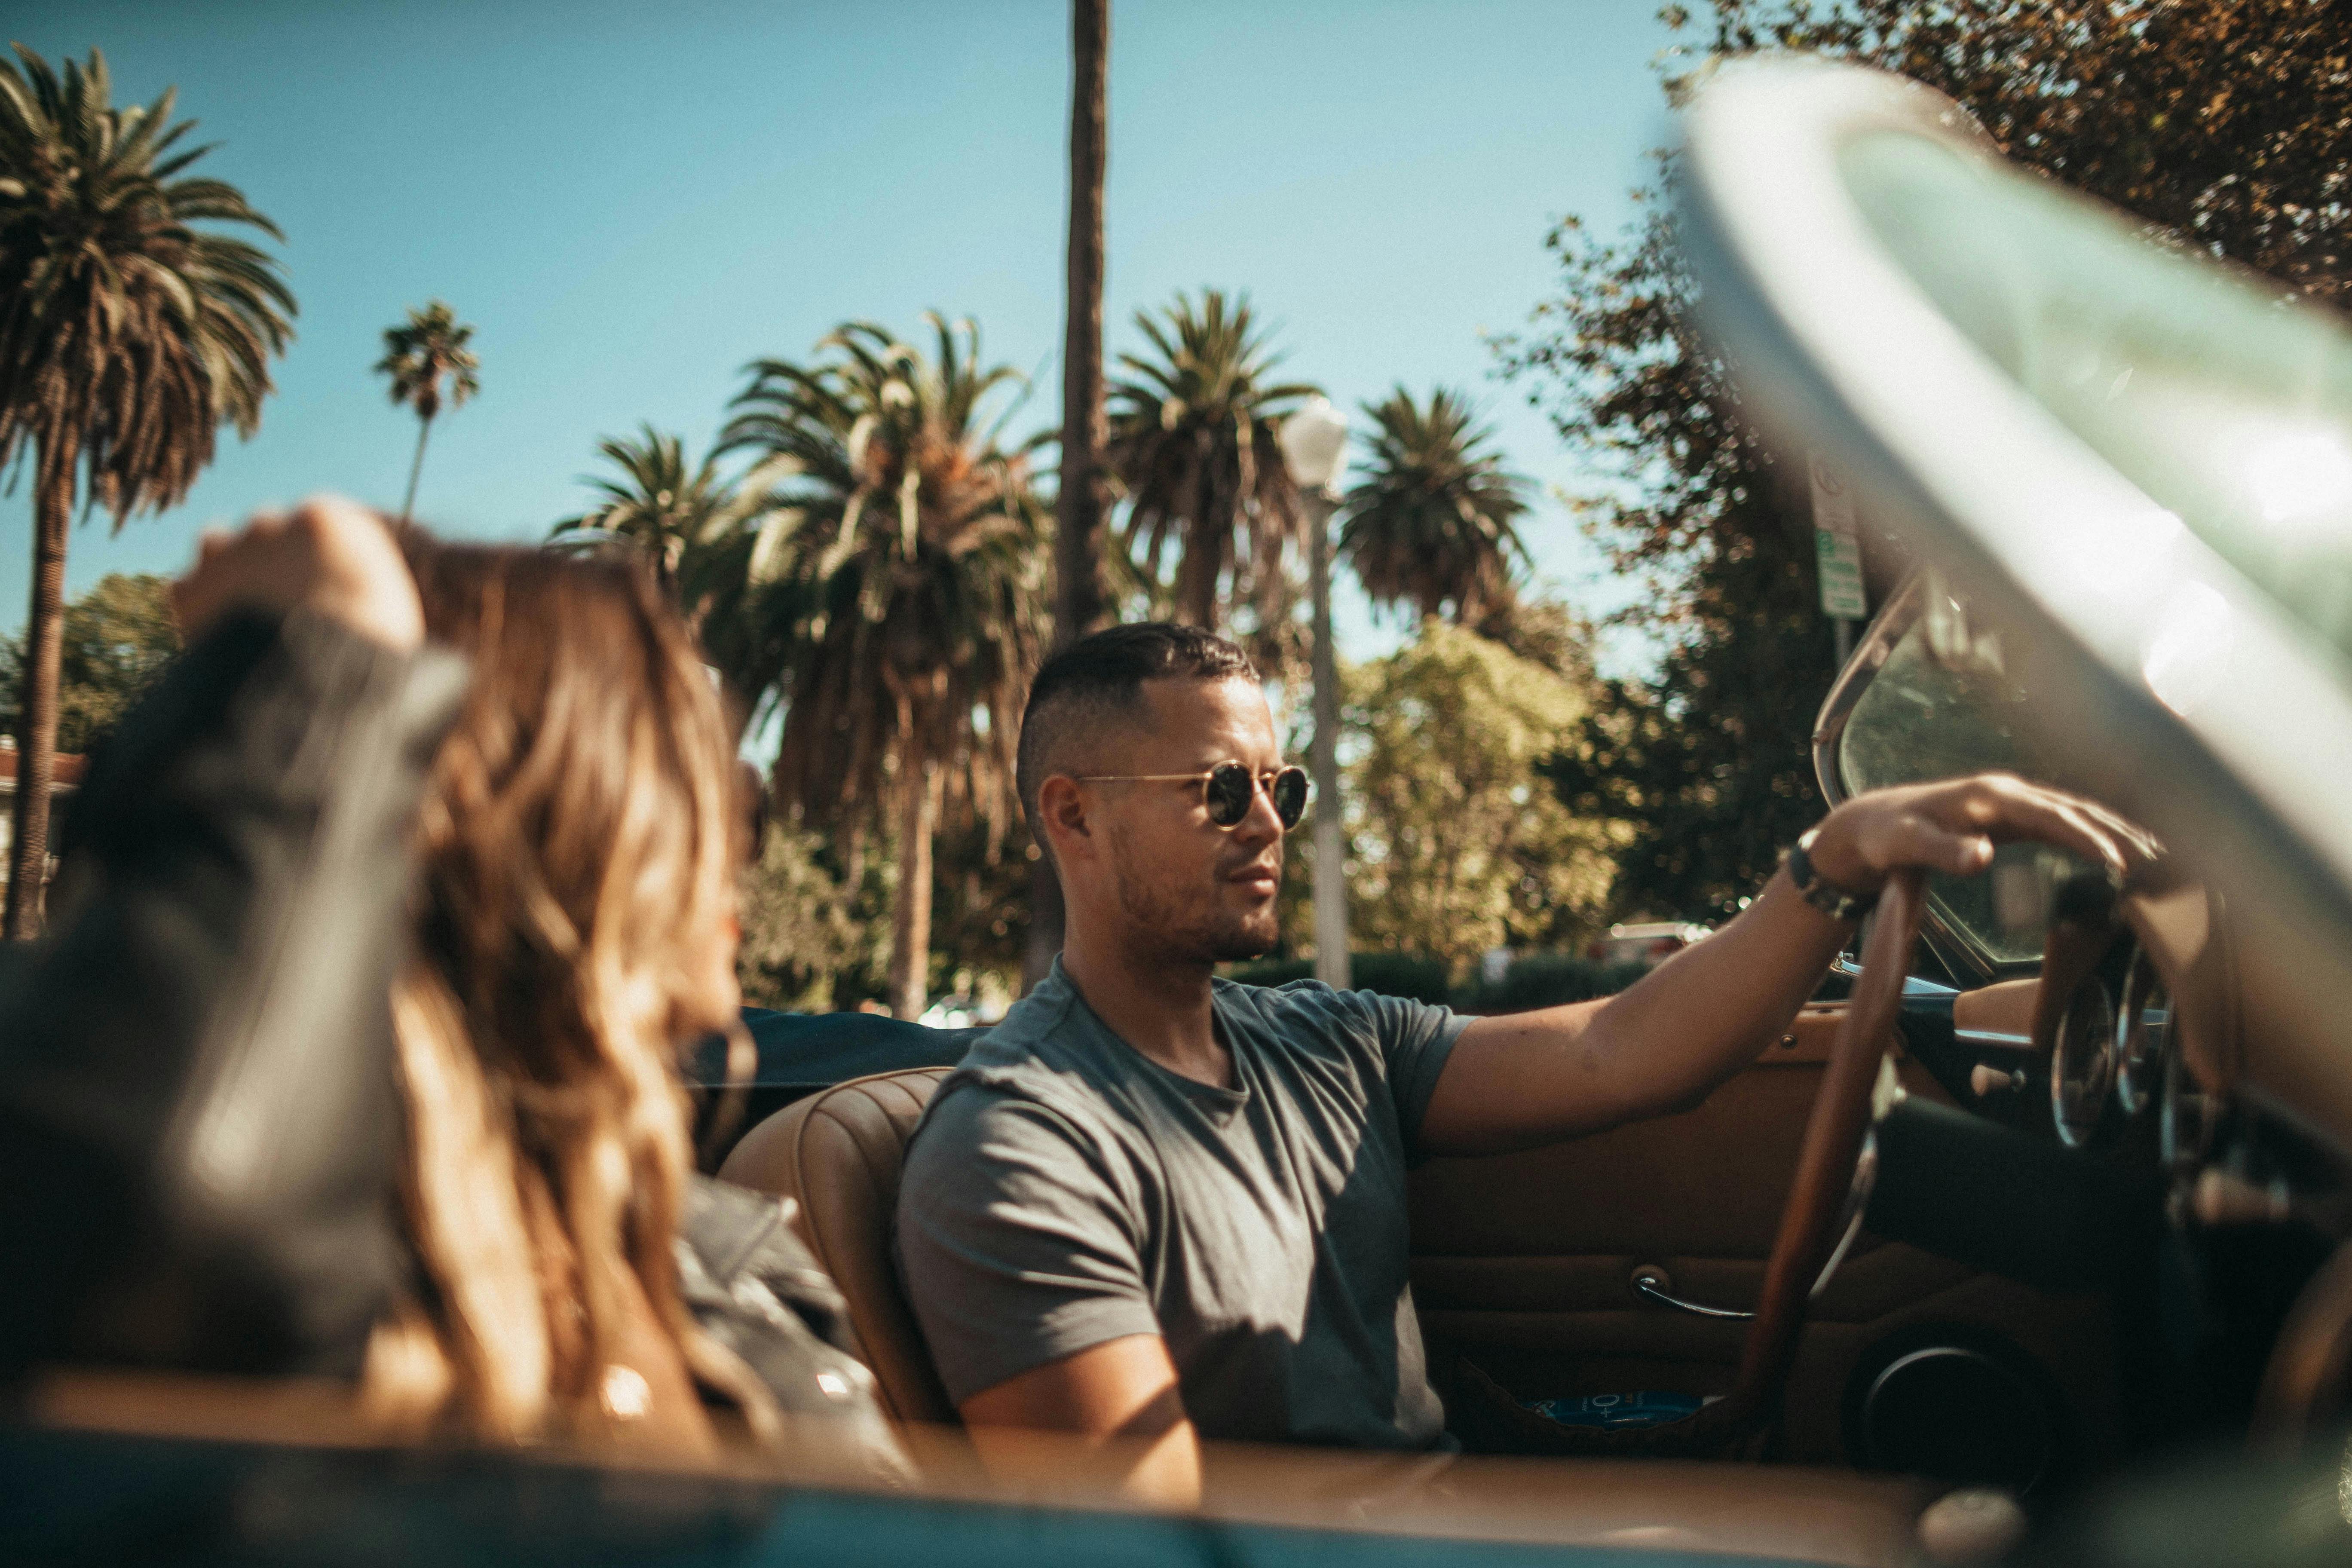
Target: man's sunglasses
x,y
1229,790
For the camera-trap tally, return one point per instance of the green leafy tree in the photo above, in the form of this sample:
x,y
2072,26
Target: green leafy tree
x,y
1194,427
809,932
893,605
817,925
128,335
1459,846
118,638
420,355
1430,524
662,503
2225,124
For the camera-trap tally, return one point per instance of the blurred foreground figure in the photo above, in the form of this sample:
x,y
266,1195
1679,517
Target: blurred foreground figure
x,y
354,1050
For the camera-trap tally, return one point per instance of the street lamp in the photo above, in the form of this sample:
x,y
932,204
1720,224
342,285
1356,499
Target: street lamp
x,y
1315,448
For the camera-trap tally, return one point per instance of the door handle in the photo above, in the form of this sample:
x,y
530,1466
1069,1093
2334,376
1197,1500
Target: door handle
x,y
1650,1283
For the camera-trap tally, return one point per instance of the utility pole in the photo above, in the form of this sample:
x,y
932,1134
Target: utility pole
x,y
1315,448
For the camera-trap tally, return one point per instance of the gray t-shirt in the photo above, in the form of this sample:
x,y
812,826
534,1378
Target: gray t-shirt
x,y
1064,1189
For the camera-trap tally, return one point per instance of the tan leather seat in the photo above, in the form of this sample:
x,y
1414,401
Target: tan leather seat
x,y
839,1154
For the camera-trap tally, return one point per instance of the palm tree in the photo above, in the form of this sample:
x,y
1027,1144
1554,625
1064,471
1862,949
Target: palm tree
x,y
127,337
1193,441
661,504
893,603
1430,524
428,349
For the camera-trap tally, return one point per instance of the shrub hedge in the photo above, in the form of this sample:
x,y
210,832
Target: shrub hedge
x,y
1534,980
1408,974
1547,980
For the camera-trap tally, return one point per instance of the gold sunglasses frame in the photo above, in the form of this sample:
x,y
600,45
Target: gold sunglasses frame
x,y
1260,785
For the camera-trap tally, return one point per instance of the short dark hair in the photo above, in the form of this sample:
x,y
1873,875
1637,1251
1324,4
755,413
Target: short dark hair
x,y
1098,681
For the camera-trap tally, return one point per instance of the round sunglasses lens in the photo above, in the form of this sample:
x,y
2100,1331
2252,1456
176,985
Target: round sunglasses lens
x,y
1230,789
1289,793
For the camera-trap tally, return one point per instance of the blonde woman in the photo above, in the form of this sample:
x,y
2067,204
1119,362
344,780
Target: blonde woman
x,y
439,1144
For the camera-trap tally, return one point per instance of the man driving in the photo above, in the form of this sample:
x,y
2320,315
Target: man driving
x,y
1156,1205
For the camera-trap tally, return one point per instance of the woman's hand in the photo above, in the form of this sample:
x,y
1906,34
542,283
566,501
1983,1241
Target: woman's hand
x,y
1954,827
327,555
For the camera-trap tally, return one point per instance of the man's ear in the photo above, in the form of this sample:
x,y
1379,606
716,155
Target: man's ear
x,y
1062,808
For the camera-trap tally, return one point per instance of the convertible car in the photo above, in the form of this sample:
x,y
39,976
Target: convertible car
x,y
2024,1241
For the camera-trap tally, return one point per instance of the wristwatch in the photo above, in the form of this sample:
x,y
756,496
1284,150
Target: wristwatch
x,y
1833,901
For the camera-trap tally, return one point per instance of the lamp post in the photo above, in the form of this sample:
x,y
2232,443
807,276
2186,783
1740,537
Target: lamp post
x,y
1315,448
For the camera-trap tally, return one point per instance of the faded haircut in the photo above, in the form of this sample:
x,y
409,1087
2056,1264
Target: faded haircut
x,y
1095,684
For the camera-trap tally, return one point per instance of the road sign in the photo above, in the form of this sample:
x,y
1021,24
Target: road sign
x,y
1837,547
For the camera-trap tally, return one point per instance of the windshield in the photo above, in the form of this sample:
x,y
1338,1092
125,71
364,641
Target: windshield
x,y
2224,402
1944,705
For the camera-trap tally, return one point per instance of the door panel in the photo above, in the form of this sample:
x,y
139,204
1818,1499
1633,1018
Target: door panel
x,y
1523,1263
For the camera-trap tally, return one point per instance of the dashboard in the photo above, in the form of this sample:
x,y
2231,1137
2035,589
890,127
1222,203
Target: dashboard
x,y
2125,1047
2143,1054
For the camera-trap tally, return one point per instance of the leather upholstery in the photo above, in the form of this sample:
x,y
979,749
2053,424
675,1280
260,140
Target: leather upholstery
x,y
839,1154
1521,1263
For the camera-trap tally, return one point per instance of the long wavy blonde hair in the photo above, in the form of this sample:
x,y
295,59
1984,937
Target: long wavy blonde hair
x,y
577,849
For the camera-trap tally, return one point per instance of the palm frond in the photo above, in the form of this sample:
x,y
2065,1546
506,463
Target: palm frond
x,y
893,586
128,334
1431,524
1193,450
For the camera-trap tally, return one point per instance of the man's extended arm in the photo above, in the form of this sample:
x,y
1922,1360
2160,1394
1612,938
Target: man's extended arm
x,y
1662,1045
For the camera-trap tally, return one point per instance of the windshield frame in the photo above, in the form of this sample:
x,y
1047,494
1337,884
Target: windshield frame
x,y
1963,956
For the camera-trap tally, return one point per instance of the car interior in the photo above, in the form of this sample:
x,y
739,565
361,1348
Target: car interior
x,y
2122,1113
2144,1124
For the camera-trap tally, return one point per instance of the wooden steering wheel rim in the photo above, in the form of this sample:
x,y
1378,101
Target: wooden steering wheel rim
x,y
1832,1147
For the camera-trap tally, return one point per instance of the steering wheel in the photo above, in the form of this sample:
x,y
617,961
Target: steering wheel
x,y
1823,1200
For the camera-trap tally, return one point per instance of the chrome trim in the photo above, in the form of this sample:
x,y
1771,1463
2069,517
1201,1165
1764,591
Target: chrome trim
x,y
1650,1292
1857,1198
1993,1039
1898,615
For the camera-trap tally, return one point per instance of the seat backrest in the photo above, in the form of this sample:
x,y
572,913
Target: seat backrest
x,y
838,1154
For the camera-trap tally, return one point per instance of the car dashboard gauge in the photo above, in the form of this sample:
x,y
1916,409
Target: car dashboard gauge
x,y
2083,1063
2143,1032
2184,1114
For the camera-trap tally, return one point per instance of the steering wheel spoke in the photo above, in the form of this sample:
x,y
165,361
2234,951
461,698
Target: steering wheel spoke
x,y
1835,1165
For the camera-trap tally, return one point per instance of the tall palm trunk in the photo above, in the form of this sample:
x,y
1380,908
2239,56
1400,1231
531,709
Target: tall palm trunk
x,y
1078,600
416,467
1208,540
1078,603
36,724
910,916
1196,583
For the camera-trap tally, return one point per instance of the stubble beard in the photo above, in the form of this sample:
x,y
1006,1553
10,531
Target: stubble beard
x,y
1186,929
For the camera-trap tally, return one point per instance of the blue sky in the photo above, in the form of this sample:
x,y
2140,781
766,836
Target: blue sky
x,y
629,202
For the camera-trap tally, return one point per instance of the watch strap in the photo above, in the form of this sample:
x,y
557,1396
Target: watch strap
x,y
1838,903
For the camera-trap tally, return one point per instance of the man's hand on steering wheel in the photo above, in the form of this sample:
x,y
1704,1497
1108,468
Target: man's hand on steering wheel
x,y
1954,827
1664,1043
